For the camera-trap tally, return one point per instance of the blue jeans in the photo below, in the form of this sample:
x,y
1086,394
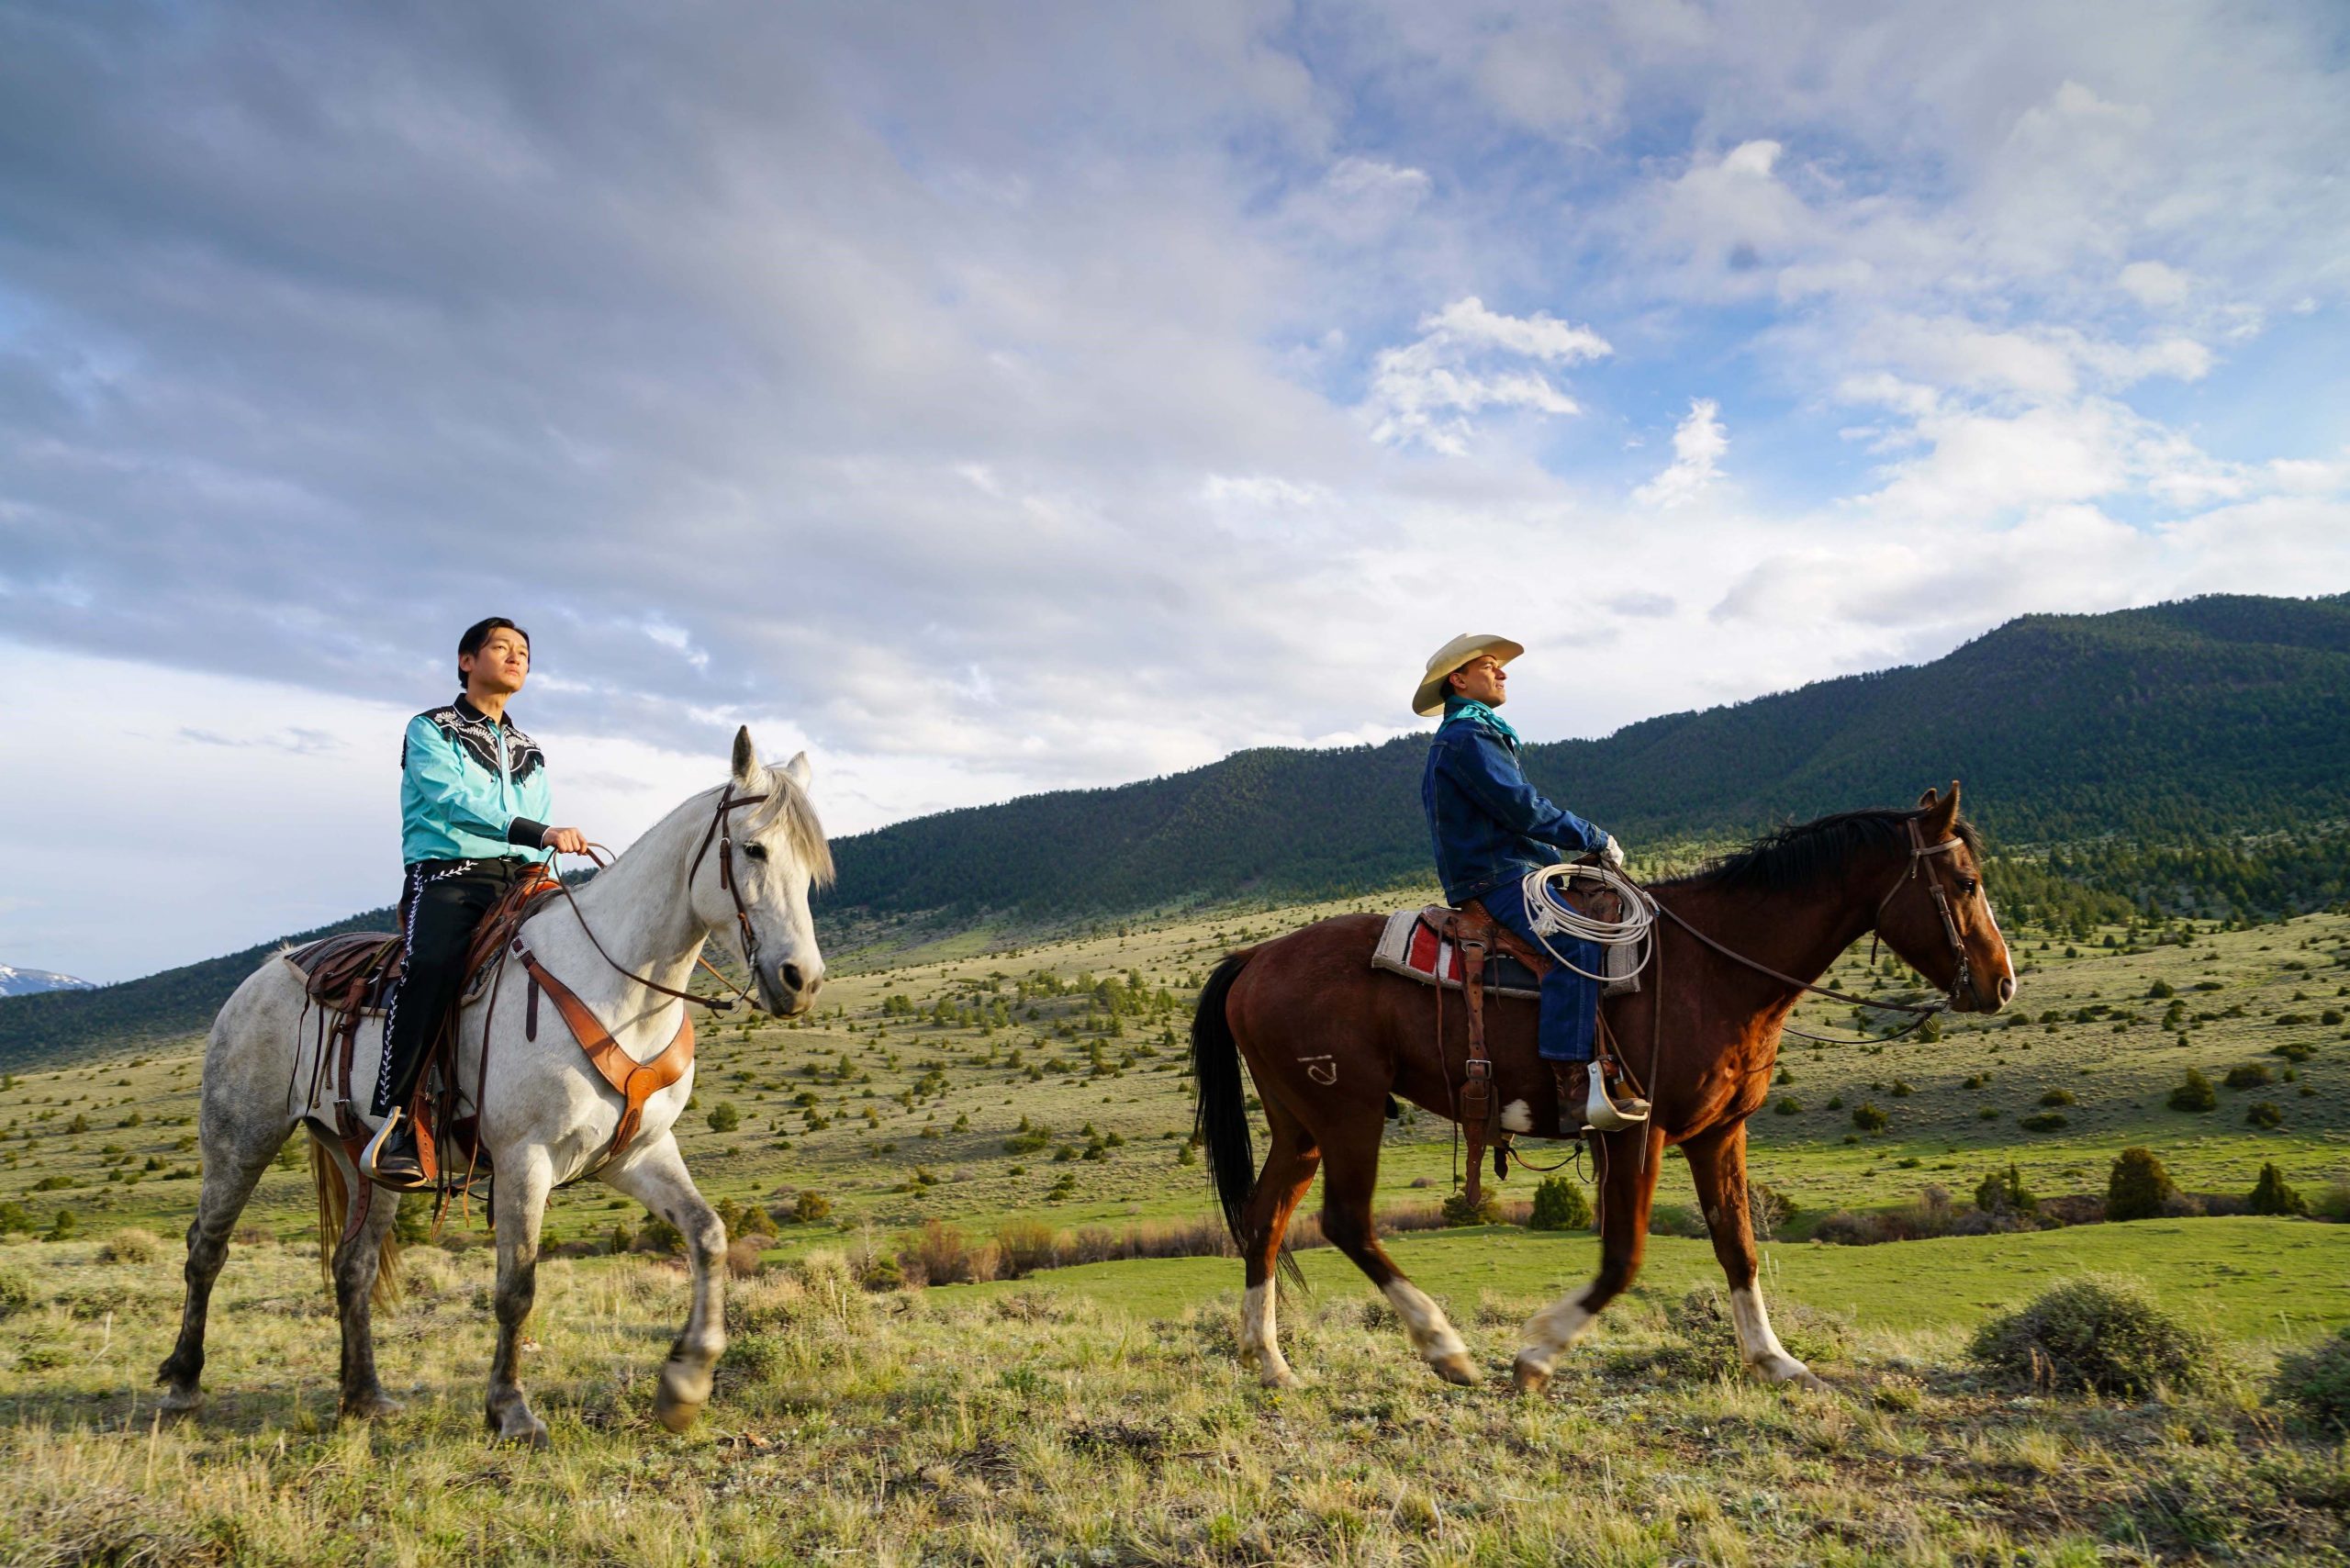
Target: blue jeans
x,y
1568,1026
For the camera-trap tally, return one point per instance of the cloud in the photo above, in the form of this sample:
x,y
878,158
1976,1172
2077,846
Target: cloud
x,y
992,410
1698,442
2152,285
1452,368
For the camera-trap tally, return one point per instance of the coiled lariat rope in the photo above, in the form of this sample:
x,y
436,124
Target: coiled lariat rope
x,y
1544,890
1549,913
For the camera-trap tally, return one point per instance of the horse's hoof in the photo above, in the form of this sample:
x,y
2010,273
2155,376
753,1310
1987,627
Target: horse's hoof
x,y
179,1402
1455,1368
517,1429
1528,1377
678,1399
531,1434
1280,1377
374,1404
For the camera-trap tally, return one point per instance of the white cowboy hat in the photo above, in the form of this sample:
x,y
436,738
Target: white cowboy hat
x,y
1428,701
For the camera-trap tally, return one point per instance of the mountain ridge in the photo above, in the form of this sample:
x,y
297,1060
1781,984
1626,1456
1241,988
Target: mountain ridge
x,y
2182,725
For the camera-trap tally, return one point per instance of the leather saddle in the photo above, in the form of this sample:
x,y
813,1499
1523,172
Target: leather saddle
x,y
350,976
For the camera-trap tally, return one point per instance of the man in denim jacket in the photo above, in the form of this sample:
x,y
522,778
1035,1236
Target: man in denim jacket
x,y
1491,827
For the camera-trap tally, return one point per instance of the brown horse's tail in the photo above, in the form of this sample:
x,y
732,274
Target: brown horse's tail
x,y
1222,1119
334,1210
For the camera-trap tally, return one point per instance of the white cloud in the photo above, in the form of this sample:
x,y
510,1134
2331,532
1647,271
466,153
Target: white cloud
x,y
2154,285
1698,442
1423,390
995,412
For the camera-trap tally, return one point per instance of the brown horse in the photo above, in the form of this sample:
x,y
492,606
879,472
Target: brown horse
x,y
1328,1039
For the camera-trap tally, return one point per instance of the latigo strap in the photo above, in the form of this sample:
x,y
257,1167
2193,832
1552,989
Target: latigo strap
x,y
633,1081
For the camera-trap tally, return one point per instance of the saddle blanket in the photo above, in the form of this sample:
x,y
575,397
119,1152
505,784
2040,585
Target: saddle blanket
x,y
1411,947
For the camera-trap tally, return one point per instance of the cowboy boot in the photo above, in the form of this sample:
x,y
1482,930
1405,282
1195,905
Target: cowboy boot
x,y
1572,1079
391,1158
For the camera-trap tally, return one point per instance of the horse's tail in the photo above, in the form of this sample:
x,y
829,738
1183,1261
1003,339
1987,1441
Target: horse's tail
x,y
334,1211
1222,1119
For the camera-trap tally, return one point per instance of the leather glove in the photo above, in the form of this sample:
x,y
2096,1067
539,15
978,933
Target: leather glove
x,y
1612,853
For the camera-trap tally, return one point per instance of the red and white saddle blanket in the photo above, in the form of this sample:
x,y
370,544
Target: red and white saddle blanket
x,y
1412,947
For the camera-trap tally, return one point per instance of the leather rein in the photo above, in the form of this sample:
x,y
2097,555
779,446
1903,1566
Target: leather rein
x,y
1961,975
722,828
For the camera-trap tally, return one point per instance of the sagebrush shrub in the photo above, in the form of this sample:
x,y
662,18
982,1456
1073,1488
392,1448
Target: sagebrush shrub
x,y
2094,1332
1558,1204
2138,1186
2195,1094
2316,1382
2250,1075
15,1291
130,1245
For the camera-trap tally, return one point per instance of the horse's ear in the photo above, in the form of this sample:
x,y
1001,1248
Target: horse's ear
x,y
798,771
1940,814
746,758
1926,801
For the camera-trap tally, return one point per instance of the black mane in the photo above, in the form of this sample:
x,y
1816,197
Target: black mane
x,y
1800,856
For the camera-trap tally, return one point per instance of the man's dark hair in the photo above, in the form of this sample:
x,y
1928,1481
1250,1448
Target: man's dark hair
x,y
479,633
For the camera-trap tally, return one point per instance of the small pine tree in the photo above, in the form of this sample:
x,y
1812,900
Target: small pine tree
x,y
2004,1192
724,1117
2195,1094
1558,1204
2270,1195
2138,1187
1458,1211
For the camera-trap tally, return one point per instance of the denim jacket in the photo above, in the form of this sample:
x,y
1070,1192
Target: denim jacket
x,y
1489,825
471,788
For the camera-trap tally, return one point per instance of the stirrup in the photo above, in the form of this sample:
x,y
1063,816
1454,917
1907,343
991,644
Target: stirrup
x,y
1602,1114
373,1151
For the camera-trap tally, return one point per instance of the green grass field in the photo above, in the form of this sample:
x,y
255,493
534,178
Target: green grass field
x,y
1097,1413
899,1111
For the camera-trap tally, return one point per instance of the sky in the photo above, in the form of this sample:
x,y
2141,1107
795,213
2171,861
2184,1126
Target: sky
x,y
996,399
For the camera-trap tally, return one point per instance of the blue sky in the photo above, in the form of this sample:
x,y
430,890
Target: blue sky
x,y
991,399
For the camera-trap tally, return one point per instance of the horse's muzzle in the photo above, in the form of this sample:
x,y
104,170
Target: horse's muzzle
x,y
789,988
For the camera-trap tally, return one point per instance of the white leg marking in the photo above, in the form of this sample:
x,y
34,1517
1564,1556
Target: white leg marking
x,y
1517,1117
1432,1333
1757,1344
1258,1346
1552,1329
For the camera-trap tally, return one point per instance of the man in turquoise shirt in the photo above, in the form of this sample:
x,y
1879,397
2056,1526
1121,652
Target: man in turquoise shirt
x,y
474,801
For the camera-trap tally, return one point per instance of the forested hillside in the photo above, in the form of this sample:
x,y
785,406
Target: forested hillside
x,y
2195,754
2180,726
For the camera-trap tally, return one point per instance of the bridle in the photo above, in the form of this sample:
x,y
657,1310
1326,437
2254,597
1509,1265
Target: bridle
x,y
722,828
728,802
1961,975
1912,870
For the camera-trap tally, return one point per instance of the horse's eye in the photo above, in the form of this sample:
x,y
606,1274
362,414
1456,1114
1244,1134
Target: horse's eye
x,y
756,851
1966,886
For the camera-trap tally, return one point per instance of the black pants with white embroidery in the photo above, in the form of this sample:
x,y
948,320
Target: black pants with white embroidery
x,y
440,903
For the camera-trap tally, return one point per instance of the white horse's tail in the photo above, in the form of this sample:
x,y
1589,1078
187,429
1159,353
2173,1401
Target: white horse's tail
x,y
334,1210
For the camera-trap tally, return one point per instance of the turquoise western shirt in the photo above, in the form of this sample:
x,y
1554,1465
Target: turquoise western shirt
x,y
471,788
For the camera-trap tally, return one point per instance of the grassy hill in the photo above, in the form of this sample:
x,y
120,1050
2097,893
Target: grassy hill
x,y
1099,1414
2197,753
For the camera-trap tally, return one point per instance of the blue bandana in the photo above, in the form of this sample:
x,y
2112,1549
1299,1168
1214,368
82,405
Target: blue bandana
x,y
1470,708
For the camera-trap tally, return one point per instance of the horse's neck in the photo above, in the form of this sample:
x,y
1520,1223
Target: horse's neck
x,y
639,912
1799,936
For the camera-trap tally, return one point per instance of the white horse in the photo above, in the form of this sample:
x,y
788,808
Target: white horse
x,y
547,1116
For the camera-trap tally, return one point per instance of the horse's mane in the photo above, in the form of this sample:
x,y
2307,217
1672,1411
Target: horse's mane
x,y
788,803
1800,856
